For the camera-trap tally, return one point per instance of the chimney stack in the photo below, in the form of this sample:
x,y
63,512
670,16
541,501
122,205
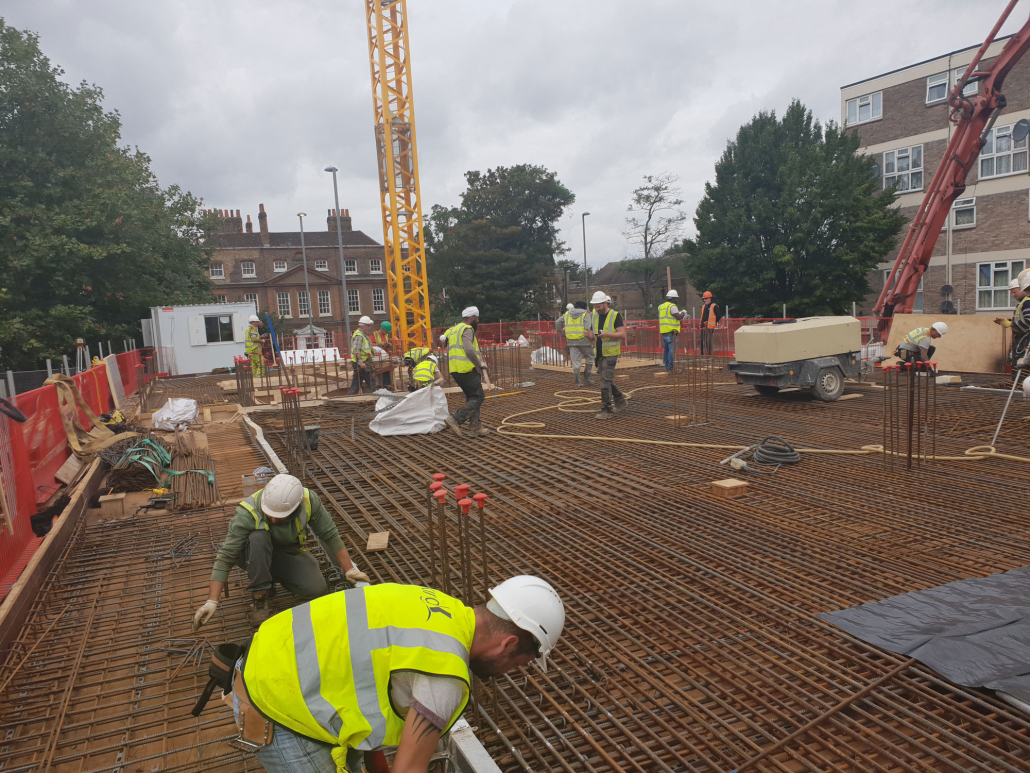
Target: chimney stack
x,y
229,223
250,225
263,224
345,221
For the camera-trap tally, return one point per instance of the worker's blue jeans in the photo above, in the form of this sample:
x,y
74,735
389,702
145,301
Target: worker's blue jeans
x,y
668,348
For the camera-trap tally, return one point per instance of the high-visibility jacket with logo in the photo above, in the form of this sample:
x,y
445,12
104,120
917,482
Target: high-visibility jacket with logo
x,y
709,310
667,323
917,335
300,522
457,360
253,340
323,669
610,347
574,326
425,372
364,347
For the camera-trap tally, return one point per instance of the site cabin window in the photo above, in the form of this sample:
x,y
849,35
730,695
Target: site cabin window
x,y
251,298
220,298
903,167
217,271
376,266
938,86
248,270
378,301
321,265
353,302
218,328
917,306
279,266
283,304
303,304
1001,154
351,266
867,108
963,213
992,283
325,308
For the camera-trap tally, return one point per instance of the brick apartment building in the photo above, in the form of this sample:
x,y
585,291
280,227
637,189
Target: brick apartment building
x,y
266,268
901,118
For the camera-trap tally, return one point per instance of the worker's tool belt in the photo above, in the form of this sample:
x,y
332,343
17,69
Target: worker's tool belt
x,y
255,730
220,670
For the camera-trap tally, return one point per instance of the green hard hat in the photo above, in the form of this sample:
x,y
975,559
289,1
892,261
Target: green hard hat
x,y
386,326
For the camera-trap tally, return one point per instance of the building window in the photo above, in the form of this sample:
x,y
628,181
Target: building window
x,y
378,301
992,283
351,266
220,298
904,167
964,213
867,108
218,328
283,302
279,265
248,269
1001,154
324,306
251,298
321,265
937,87
353,302
303,304
217,271
917,305
376,266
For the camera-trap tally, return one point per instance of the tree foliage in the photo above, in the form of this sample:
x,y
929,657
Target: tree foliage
x,y
655,224
497,249
795,216
88,239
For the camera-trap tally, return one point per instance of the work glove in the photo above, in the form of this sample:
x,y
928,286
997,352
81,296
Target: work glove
x,y
355,575
205,613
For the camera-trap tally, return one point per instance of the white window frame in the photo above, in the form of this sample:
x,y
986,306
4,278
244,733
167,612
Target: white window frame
x,y
350,266
221,298
282,303
251,298
873,101
279,266
917,304
1012,269
248,269
217,270
375,266
218,326
1015,148
325,304
909,155
378,300
963,205
321,265
303,303
353,301
948,80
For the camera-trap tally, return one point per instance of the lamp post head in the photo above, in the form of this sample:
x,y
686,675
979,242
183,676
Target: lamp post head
x,y
330,169
302,214
585,214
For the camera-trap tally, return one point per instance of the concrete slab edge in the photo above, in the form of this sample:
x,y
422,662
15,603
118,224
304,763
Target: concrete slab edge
x,y
270,456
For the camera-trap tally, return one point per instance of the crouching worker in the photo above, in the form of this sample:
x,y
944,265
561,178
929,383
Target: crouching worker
x,y
917,346
266,538
427,372
382,666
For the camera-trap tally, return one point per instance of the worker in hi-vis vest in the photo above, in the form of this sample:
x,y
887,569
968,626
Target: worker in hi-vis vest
x,y
362,367
468,370
412,358
669,326
710,315
917,346
266,538
427,372
381,666
577,325
252,346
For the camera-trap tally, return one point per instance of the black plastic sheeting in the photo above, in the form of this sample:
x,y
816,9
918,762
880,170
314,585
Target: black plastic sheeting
x,y
975,633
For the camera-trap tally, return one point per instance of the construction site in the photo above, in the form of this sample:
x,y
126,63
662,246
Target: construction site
x,y
797,544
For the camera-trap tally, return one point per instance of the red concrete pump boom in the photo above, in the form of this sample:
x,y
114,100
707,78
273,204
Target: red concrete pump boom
x,y
973,116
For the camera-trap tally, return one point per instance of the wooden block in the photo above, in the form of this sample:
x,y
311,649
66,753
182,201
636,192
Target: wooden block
x,y
729,488
377,541
207,414
69,470
624,376
112,505
851,396
662,374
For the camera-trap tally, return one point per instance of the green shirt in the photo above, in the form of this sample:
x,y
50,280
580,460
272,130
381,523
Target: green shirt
x,y
284,536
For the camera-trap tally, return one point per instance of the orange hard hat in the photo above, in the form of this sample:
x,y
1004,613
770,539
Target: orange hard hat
x,y
707,294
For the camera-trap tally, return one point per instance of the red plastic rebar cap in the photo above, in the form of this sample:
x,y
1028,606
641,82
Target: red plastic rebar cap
x,y
480,499
441,494
439,476
465,505
436,485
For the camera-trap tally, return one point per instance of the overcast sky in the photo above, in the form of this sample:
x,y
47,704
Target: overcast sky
x,y
247,102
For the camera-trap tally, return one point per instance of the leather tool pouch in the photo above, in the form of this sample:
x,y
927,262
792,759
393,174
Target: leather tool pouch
x,y
220,671
255,730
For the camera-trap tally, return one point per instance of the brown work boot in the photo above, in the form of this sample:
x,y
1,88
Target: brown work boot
x,y
453,424
604,413
261,610
477,432
620,404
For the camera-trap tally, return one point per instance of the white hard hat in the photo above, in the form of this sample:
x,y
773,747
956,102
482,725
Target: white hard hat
x,y
443,338
672,294
281,496
1014,284
434,358
365,321
534,606
940,327
1023,279
471,311
569,307
599,297
254,318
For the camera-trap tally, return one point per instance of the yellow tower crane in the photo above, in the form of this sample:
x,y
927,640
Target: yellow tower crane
x,y
389,59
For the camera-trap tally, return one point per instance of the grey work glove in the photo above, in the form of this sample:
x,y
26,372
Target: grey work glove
x,y
204,613
355,575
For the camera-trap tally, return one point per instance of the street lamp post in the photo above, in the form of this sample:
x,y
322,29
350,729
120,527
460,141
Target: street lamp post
x,y
344,306
304,256
586,278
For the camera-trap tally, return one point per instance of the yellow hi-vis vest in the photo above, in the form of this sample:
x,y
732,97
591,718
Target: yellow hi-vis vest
x,y
323,669
457,361
300,523
667,323
574,326
916,336
609,347
253,341
418,353
364,352
425,372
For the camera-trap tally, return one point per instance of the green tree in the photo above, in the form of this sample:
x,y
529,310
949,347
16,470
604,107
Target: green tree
x,y
795,216
497,249
88,239
656,222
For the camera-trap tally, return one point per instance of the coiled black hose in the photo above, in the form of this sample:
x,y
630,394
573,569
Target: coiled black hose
x,y
774,450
